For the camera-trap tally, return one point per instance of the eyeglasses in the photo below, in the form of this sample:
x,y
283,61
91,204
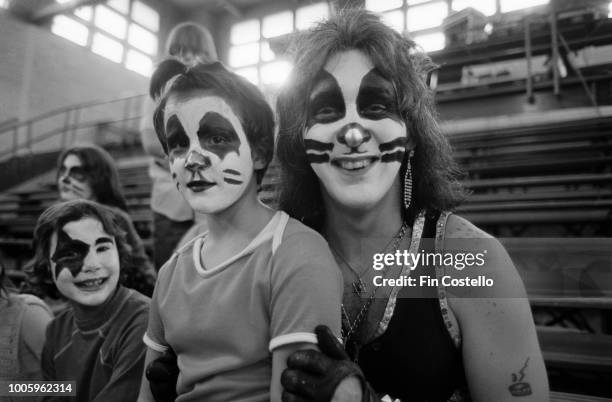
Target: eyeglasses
x,y
76,172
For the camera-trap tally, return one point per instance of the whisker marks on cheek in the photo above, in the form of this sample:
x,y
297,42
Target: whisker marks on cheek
x,y
317,158
314,145
232,181
232,171
388,146
397,156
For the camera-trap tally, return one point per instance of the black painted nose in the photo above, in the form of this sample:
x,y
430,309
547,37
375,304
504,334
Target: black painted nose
x,y
353,135
196,161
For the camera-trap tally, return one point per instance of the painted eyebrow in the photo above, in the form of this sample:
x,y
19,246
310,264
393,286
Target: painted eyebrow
x,y
324,82
375,81
101,240
173,124
215,120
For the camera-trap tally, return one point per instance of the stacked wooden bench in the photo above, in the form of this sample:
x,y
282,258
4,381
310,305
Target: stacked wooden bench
x,y
555,173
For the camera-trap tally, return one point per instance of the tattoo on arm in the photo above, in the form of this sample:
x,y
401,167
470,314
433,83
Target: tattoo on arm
x,y
518,387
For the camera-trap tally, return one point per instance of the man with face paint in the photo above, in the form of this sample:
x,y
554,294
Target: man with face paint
x,y
233,303
366,165
96,342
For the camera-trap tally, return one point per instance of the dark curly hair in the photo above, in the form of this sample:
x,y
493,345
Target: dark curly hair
x,y
435,173
254,113
101,171
53,219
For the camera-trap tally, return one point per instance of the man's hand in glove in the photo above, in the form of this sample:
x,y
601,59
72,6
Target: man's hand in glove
x,y
328,375
162,374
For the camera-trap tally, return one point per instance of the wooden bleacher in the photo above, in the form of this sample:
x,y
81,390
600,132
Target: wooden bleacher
x,y
544,184
545,173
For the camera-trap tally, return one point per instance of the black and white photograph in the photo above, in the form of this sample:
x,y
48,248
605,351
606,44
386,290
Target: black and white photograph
x,y
306,200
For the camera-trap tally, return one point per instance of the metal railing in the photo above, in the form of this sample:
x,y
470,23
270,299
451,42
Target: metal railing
x,y
69,124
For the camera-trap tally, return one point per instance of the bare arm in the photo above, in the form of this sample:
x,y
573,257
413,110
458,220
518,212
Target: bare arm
x,y
501,354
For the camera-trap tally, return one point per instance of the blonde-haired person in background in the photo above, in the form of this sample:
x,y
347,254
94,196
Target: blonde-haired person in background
x,y
190,43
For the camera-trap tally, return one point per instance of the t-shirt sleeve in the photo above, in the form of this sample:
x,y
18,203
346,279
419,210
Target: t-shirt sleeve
x,y
306,290
155,337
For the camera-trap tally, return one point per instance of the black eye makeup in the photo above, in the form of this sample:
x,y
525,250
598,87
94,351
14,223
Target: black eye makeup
x,y
217,135
76,172
176,138
377,98
69,253
326,103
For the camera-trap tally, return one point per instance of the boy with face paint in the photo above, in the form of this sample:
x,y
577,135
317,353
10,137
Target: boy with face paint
x,y
96,342
235,301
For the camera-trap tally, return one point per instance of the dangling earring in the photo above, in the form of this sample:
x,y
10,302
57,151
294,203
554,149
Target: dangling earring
x,y
408,182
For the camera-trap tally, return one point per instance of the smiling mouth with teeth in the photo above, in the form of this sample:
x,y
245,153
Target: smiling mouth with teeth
x,y
90,283
354,164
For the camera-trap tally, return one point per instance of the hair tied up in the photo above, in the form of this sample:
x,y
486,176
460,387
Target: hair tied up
x,y
166,71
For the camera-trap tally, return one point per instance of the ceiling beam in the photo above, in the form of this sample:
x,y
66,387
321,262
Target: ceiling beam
x,y
230,8
55,8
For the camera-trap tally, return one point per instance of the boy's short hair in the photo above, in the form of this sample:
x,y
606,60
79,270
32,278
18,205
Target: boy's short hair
x,y
51,221
255,115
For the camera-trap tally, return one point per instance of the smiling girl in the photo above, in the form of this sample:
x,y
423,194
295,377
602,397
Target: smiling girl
x,y
96,342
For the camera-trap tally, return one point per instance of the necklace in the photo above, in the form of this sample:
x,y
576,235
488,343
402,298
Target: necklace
x,y
352,345
358,285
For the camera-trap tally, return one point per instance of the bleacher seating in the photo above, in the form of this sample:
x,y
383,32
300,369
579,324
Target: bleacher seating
x,y
550,173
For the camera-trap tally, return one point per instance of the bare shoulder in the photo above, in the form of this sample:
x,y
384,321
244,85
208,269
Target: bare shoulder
x,y
463,236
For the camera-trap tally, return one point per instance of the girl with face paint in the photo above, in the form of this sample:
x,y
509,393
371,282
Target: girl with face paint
x,y
88,172
365,164
233,303
81,252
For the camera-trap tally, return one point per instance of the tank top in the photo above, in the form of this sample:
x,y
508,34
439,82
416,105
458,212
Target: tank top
x,y
417,358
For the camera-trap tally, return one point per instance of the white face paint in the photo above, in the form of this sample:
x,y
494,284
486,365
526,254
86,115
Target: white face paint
x,y
84,243
355,139
210,156
73,180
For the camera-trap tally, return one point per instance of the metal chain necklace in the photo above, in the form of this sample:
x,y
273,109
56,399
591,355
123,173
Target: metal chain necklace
x,y
348,334
358,285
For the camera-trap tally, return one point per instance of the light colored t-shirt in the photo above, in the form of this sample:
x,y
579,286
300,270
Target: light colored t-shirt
x,y
224,321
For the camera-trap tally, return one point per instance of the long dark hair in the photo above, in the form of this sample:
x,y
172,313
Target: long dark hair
x,y
103,175
434,172
52,220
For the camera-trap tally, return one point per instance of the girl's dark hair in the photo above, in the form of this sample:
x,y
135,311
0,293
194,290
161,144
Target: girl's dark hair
x,y
254,113
102,173
434,172
53,219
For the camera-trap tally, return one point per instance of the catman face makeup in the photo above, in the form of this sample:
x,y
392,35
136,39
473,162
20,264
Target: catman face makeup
x,y
355,139
84,262
73,180
210,157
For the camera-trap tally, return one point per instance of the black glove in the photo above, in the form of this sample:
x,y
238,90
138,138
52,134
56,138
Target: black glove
x,y
313,376
162,374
